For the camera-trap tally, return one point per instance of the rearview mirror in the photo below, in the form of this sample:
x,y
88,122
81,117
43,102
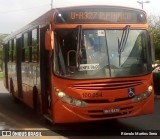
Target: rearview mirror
x,y
156,67
49,40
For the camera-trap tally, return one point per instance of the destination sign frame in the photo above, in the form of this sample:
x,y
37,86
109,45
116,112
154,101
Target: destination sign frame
x,y
99,15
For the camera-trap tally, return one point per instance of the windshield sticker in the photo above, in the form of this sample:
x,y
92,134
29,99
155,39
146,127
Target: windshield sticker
x,y
84,67
101,33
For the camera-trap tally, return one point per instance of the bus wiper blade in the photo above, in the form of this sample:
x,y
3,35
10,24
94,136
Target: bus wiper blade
x,y
122,43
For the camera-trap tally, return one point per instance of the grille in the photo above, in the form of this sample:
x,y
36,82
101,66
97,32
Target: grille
x,y
108,85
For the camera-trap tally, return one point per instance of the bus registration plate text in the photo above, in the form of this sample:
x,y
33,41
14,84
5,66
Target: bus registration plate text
x,y
111,111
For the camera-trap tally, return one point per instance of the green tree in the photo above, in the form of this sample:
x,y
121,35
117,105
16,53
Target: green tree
x,y
154,29
2,36
1,62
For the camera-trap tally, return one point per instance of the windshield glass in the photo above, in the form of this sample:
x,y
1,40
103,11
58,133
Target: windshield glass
x,y
86,54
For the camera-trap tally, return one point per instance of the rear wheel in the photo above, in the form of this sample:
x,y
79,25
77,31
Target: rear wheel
x,y
12,91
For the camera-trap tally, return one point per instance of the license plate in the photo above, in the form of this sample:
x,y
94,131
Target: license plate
x,y
110,111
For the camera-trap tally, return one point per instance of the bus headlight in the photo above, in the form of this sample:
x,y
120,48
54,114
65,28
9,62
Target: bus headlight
x,y
70,100
144,95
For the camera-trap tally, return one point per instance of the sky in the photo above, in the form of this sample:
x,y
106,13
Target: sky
x,y
15,14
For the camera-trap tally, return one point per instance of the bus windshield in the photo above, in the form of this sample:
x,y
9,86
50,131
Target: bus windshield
x,y
93,54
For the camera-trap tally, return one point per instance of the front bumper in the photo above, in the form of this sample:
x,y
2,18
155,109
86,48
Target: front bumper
x,y
64,113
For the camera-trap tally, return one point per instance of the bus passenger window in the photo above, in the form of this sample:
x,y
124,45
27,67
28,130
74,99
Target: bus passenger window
x,y
25,48
14,49
10,51
34,42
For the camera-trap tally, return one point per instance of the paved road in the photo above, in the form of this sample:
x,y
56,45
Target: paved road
x,y
19,116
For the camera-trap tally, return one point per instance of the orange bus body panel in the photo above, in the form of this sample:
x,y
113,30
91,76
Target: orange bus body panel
x,y
117,98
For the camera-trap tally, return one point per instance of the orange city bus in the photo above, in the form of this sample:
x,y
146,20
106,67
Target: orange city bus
x,y
83,63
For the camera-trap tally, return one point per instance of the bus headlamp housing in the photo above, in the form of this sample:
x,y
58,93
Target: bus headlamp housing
x,y
144,95
70,100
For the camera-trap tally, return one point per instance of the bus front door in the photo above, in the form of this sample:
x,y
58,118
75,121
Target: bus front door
x,y
45,73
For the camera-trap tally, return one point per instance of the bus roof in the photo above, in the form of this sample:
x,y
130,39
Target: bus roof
x,y
40,21
125,7
47,18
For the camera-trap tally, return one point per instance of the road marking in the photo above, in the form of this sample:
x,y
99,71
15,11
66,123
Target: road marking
x,y
9,119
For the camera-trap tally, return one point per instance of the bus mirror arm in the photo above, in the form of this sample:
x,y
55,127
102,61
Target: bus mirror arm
x,y
49,40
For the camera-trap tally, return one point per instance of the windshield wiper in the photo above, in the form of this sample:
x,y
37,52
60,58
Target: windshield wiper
x,y
122,43
79,45
109,64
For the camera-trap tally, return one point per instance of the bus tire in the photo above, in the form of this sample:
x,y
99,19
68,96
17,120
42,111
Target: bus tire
x,y
11,88
12,91
36,101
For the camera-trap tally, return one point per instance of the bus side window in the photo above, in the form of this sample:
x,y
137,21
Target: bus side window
x,y
7,52
34,44
10,51
14,50
25,50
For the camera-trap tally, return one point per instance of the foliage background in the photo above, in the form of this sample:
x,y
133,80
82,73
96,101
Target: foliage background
x,y
2,36
154,29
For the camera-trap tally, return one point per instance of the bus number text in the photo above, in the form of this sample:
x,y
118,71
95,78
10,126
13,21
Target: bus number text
x,y
92,95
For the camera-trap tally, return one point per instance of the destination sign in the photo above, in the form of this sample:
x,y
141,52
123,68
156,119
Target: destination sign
x,y
99,15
